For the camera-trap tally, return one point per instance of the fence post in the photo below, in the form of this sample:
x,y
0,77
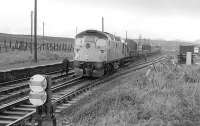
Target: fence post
x,y
54,46
26,46
40,47
16,44
60,45
51,49
5,46
20,45
48,46
70,49
30,46
10,44
43,47
63,46
66,48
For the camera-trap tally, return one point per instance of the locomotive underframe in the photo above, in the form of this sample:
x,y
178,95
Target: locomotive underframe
x,y
96,69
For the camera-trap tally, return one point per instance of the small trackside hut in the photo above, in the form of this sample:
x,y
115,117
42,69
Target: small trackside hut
x,y
183,49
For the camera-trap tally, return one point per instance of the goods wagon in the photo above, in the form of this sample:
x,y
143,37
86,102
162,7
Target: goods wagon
x,y
155,49
132,47
146,48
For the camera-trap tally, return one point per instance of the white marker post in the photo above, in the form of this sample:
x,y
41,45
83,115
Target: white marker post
x,y
188,58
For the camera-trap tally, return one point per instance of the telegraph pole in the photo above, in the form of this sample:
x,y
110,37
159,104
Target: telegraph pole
x,y
35,32
43,31
102,24
31,31
126,35
139,43
76,30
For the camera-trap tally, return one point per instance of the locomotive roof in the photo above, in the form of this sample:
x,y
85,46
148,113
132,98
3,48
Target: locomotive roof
x,y
93,33
99,34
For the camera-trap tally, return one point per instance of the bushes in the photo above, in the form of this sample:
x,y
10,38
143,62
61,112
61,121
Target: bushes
x,y
168,95
175,95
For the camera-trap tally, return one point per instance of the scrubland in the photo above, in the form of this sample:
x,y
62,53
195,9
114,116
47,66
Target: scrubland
x,y
161,95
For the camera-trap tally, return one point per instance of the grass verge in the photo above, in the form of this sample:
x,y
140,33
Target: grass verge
x,y
167,95
15,59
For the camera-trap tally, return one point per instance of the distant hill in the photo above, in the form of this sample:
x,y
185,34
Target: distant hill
x,y
27,38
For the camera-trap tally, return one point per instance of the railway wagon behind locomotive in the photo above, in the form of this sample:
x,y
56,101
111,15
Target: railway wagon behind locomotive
x,y
132,47
97,53
155,49
146,48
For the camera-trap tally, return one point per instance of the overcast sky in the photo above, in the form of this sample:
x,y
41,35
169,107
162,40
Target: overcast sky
x,y
166,19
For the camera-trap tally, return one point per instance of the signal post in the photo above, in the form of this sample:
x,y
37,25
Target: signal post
x,y
40,96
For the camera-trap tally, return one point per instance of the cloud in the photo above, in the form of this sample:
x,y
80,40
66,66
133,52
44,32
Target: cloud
x,y
167,19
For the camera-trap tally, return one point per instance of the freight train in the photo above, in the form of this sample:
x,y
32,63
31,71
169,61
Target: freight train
x,y
98,53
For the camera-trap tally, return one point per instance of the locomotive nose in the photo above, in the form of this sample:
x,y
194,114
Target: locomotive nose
x,y
88,45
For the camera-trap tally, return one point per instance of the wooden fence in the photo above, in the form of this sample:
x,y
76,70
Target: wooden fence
x,y
6,46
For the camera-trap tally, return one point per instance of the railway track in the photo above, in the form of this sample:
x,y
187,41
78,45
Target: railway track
x,y
27,78
21,111
17,89
19,74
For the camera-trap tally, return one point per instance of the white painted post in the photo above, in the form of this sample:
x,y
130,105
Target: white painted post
x,y
188,58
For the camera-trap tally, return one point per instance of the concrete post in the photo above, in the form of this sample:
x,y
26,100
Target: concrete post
x,y
188,58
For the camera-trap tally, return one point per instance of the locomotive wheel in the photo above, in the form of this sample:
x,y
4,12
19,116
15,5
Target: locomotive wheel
x,y
105,69
109,68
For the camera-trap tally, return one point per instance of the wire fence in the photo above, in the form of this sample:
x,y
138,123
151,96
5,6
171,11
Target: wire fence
x,y
6,46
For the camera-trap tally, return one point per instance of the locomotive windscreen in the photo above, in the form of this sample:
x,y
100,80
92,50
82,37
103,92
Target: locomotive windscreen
x,y
90,39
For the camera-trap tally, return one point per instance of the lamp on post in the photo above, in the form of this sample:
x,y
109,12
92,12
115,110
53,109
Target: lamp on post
x,y
40,96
